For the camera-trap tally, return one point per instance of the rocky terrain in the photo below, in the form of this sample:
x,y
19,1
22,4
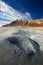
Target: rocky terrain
x,y
27,23
21,46
21,43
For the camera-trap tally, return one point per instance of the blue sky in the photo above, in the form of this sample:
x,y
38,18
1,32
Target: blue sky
x,y
20,9
34,7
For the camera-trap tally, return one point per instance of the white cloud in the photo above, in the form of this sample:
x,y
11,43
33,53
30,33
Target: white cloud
x,y
3,22
7,12
27,13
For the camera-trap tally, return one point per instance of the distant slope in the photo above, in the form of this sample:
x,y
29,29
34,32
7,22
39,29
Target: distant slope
x,y
33,23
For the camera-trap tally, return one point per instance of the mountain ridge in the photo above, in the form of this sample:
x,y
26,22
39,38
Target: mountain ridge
x,y
33,23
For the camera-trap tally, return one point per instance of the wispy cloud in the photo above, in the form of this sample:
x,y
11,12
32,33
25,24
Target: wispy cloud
x,y
3,22
8,14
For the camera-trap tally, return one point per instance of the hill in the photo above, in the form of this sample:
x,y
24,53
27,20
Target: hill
x,y
32,23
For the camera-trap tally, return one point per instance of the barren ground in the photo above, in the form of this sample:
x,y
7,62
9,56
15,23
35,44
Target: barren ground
x,y
11,55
